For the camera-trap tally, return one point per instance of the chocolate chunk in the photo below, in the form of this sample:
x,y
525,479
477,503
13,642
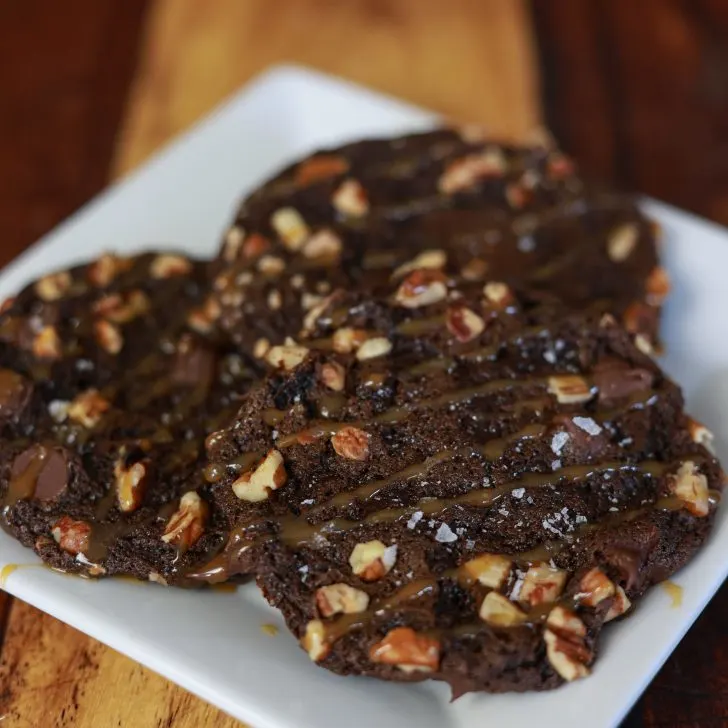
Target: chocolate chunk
x,y
616,381
194,364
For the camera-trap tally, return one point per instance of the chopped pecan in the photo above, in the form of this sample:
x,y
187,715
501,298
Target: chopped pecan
x,y
351,443
53,286
340,599
372,560
257,484
350,199
407,650
71,535
422,287
291,227
168,265
542,583
499,611
186,526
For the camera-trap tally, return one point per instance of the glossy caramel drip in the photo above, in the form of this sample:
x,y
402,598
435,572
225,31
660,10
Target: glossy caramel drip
x,y
674,591
414,327
397,414
22,485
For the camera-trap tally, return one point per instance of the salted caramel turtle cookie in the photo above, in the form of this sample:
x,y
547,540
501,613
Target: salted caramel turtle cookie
x,y
464,485
366,213
106,396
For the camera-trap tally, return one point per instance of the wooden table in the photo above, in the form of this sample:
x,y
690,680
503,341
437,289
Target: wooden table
x,y
90,88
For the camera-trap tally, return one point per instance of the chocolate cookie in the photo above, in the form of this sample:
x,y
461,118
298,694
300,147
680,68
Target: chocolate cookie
x,y
463,485
359,215
106,396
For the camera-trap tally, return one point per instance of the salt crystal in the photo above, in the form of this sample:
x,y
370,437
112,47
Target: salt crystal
x,y
414,519
587,424
558,441
445,534
518,492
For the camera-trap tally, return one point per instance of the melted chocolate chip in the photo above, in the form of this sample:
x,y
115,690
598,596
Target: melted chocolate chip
x,y
617,381
194,364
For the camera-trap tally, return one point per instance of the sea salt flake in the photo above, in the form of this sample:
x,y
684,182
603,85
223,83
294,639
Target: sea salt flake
x,y
518,492
308,502
580,519
555,464
503,511
414,519
445,534
558,441
587,424
550,356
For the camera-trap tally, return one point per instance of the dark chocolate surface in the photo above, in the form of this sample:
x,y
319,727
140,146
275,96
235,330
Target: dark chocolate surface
x,y
474,208
106,396
365,484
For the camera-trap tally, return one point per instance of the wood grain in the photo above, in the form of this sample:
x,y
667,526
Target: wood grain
x,y
639,93
54,676
468,59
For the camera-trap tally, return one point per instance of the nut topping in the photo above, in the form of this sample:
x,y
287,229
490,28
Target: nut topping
x,y
462,174
202,319
314,641
253,247
53,286
88,408
595,587
370,561
701,435
233,243
72,536
271,265
256,485
168,266
291,227
351,443
109,337
350,199
103,271
421,288
323,244
463,323
187,524
542,583
474,270
622,241
657,286
130,485
47,344
407,650
691,487
433,259
498,294
374,347
345,340
340,599
261,348
620,605
320,168
490,570
120,309
499,611
565,644
333,376
570,389
287,357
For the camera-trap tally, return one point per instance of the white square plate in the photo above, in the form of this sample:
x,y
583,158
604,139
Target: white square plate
x,y
210,642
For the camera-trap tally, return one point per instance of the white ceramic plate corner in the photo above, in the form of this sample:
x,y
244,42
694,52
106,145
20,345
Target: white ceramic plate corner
x,y
211,643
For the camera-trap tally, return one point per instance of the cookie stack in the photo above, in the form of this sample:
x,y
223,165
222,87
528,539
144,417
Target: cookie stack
x,y
413,396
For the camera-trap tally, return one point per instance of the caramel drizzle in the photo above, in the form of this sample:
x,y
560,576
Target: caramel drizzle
x,y
419,588
397,414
